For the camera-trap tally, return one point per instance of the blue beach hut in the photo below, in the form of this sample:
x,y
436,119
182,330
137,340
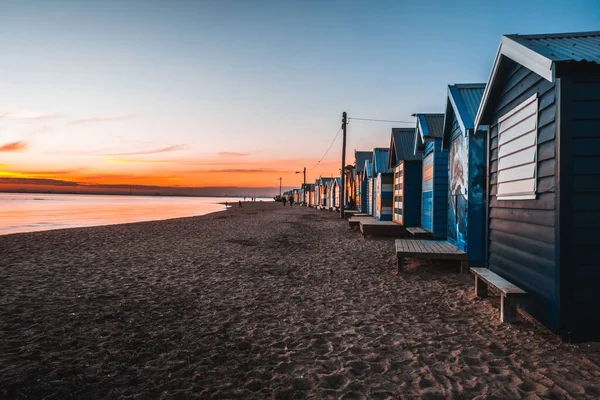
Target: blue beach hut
x,y
368,179
407,176
542,108
434,192
361,195
466,169
382,184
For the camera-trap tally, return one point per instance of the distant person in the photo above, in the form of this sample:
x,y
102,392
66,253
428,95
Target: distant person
x,y
283,200
226,205
244,198
240,204
291,201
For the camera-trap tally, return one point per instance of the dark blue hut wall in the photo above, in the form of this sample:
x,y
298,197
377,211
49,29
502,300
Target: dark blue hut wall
x,y
580,206
364,195
522,234
412,193
440,191
476,198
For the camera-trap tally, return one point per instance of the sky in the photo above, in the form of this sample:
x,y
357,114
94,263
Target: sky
x,y
233,92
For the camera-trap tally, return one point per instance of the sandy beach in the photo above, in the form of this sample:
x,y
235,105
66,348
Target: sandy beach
x,y
262,301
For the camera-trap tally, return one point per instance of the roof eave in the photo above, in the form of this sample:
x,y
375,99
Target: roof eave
x,y
392,157
536,62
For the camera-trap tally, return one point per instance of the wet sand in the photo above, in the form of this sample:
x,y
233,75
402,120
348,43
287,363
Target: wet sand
x,y
259,302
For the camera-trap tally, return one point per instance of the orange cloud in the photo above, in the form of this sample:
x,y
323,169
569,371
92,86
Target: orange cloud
x,y
244,171
14,146
186,171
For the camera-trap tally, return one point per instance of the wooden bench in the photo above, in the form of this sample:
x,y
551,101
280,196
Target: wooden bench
x,y
418,233
509,293
430,249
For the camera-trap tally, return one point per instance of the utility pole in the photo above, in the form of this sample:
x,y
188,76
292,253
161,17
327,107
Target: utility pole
x,y
304,191
343,188
280,187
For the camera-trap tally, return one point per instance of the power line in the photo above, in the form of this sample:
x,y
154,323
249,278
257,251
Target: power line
x,y
329,148
382,120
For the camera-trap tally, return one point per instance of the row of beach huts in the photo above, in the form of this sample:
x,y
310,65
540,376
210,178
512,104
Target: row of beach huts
x,y
505,180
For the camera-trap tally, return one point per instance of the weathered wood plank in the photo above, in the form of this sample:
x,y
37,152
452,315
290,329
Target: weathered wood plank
x,y
498,282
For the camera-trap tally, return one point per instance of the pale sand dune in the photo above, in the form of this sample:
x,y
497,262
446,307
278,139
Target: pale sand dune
x,y
259,302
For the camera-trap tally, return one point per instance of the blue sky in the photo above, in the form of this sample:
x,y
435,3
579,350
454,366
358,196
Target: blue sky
x,y
234,85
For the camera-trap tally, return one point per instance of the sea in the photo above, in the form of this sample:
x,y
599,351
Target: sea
x,y
41,212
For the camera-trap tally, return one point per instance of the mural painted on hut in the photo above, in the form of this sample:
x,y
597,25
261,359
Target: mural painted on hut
x,y
458,193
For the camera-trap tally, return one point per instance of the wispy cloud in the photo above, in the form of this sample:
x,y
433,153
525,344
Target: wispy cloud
x,y
14,147
27,115
103,119
108,151
232,154
150,151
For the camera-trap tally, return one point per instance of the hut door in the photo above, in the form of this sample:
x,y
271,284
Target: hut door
x,y
427,194
398,193
457,192
370,196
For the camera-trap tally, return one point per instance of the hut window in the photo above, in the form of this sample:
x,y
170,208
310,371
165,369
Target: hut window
x,y
517,152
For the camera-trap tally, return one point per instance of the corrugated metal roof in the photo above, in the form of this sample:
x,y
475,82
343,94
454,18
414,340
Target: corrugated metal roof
x,y
381,160
463,101
403,145
540,54
471,96
562,47
360,157
430,125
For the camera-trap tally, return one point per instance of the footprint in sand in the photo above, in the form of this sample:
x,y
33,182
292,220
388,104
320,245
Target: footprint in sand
x,y
301,383
353,396
357,368
334,381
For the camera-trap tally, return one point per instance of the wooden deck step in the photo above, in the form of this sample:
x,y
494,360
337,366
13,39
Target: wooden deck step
x,y
355,221
418,232
372,227
430,249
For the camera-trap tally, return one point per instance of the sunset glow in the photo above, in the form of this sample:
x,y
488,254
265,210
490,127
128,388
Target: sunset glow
x,y
195,94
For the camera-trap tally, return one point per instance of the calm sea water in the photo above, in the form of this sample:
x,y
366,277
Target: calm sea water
x,y
40,212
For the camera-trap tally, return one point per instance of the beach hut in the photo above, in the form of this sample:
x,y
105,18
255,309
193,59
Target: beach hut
x,y
309,194
350,175
542,108
316,199
368,179
360,184
466,169
434,190
382,184
407,172
335,193
325,192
